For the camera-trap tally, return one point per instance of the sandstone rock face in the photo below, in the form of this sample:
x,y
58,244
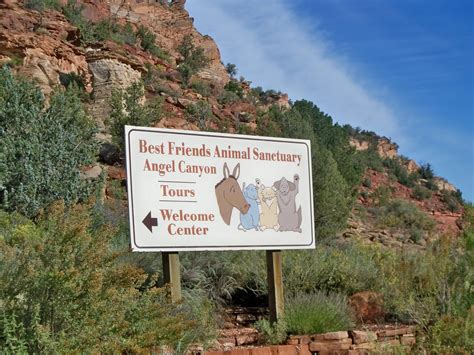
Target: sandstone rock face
x,y
171,23
412,166
386,148
109,75
283,101
41,42
442,184
359,145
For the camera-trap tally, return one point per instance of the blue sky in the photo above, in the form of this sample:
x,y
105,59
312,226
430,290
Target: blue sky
x,y
403,68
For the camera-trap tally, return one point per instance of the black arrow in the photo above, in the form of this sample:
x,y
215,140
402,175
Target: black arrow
x,y
150,222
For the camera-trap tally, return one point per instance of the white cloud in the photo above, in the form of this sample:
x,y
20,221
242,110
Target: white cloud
x,y
276,50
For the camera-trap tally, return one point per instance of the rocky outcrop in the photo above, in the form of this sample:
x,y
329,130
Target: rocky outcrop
x,y
42,45
386,148
109,75
171,23
443,184
359,145
412,166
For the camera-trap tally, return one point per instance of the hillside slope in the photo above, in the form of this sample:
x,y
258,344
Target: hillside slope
x,y
97,45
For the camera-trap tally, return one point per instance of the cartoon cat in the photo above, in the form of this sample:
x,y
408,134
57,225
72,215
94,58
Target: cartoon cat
x,y
268,207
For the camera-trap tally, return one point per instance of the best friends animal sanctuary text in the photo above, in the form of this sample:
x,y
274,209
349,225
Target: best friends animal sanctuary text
x,y
171,148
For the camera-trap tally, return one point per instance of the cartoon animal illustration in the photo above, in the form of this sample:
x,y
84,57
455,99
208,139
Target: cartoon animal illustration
x,y
289,218
268,206
229,195
250,219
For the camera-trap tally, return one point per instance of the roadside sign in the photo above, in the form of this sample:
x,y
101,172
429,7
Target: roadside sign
x,y
192,190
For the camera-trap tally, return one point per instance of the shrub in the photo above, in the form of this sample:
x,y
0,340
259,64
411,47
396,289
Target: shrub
x,y
205,330
201,87
63,292
128,109
367,182
193,60
272,333
400,213
147,43
42,5
125,35
381,196
93,32
421,287
421,193
116,190
42,149
452,200
430,184
317,312
234,86
68,79
222,274
371,158
416,235
452,334
228,97
186,73
400,172
199,113
426,172
342,269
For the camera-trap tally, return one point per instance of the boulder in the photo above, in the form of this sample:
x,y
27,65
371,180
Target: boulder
x,y
368,306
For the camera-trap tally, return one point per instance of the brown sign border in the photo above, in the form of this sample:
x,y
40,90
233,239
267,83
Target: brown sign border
x,y
214,247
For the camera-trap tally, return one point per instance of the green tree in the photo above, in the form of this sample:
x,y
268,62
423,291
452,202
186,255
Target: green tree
x,y
128,109
193,59
235,87
231,69
200,113
334,138
331,194
42,149
426,171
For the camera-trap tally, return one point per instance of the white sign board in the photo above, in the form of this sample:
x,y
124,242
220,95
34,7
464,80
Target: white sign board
x,y
210,191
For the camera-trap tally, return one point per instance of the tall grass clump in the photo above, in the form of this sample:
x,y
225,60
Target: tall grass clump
x,y
317,312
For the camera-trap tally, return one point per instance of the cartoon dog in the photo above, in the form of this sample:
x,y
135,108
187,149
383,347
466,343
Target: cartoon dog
x,y
250,219
289,218
268,207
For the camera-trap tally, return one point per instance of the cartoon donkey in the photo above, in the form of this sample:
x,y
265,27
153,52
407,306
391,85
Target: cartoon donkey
x,y
288,217
250,219
229,195
268,206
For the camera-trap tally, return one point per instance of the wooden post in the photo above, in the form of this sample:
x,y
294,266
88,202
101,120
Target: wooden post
x,y
172,274
275,285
